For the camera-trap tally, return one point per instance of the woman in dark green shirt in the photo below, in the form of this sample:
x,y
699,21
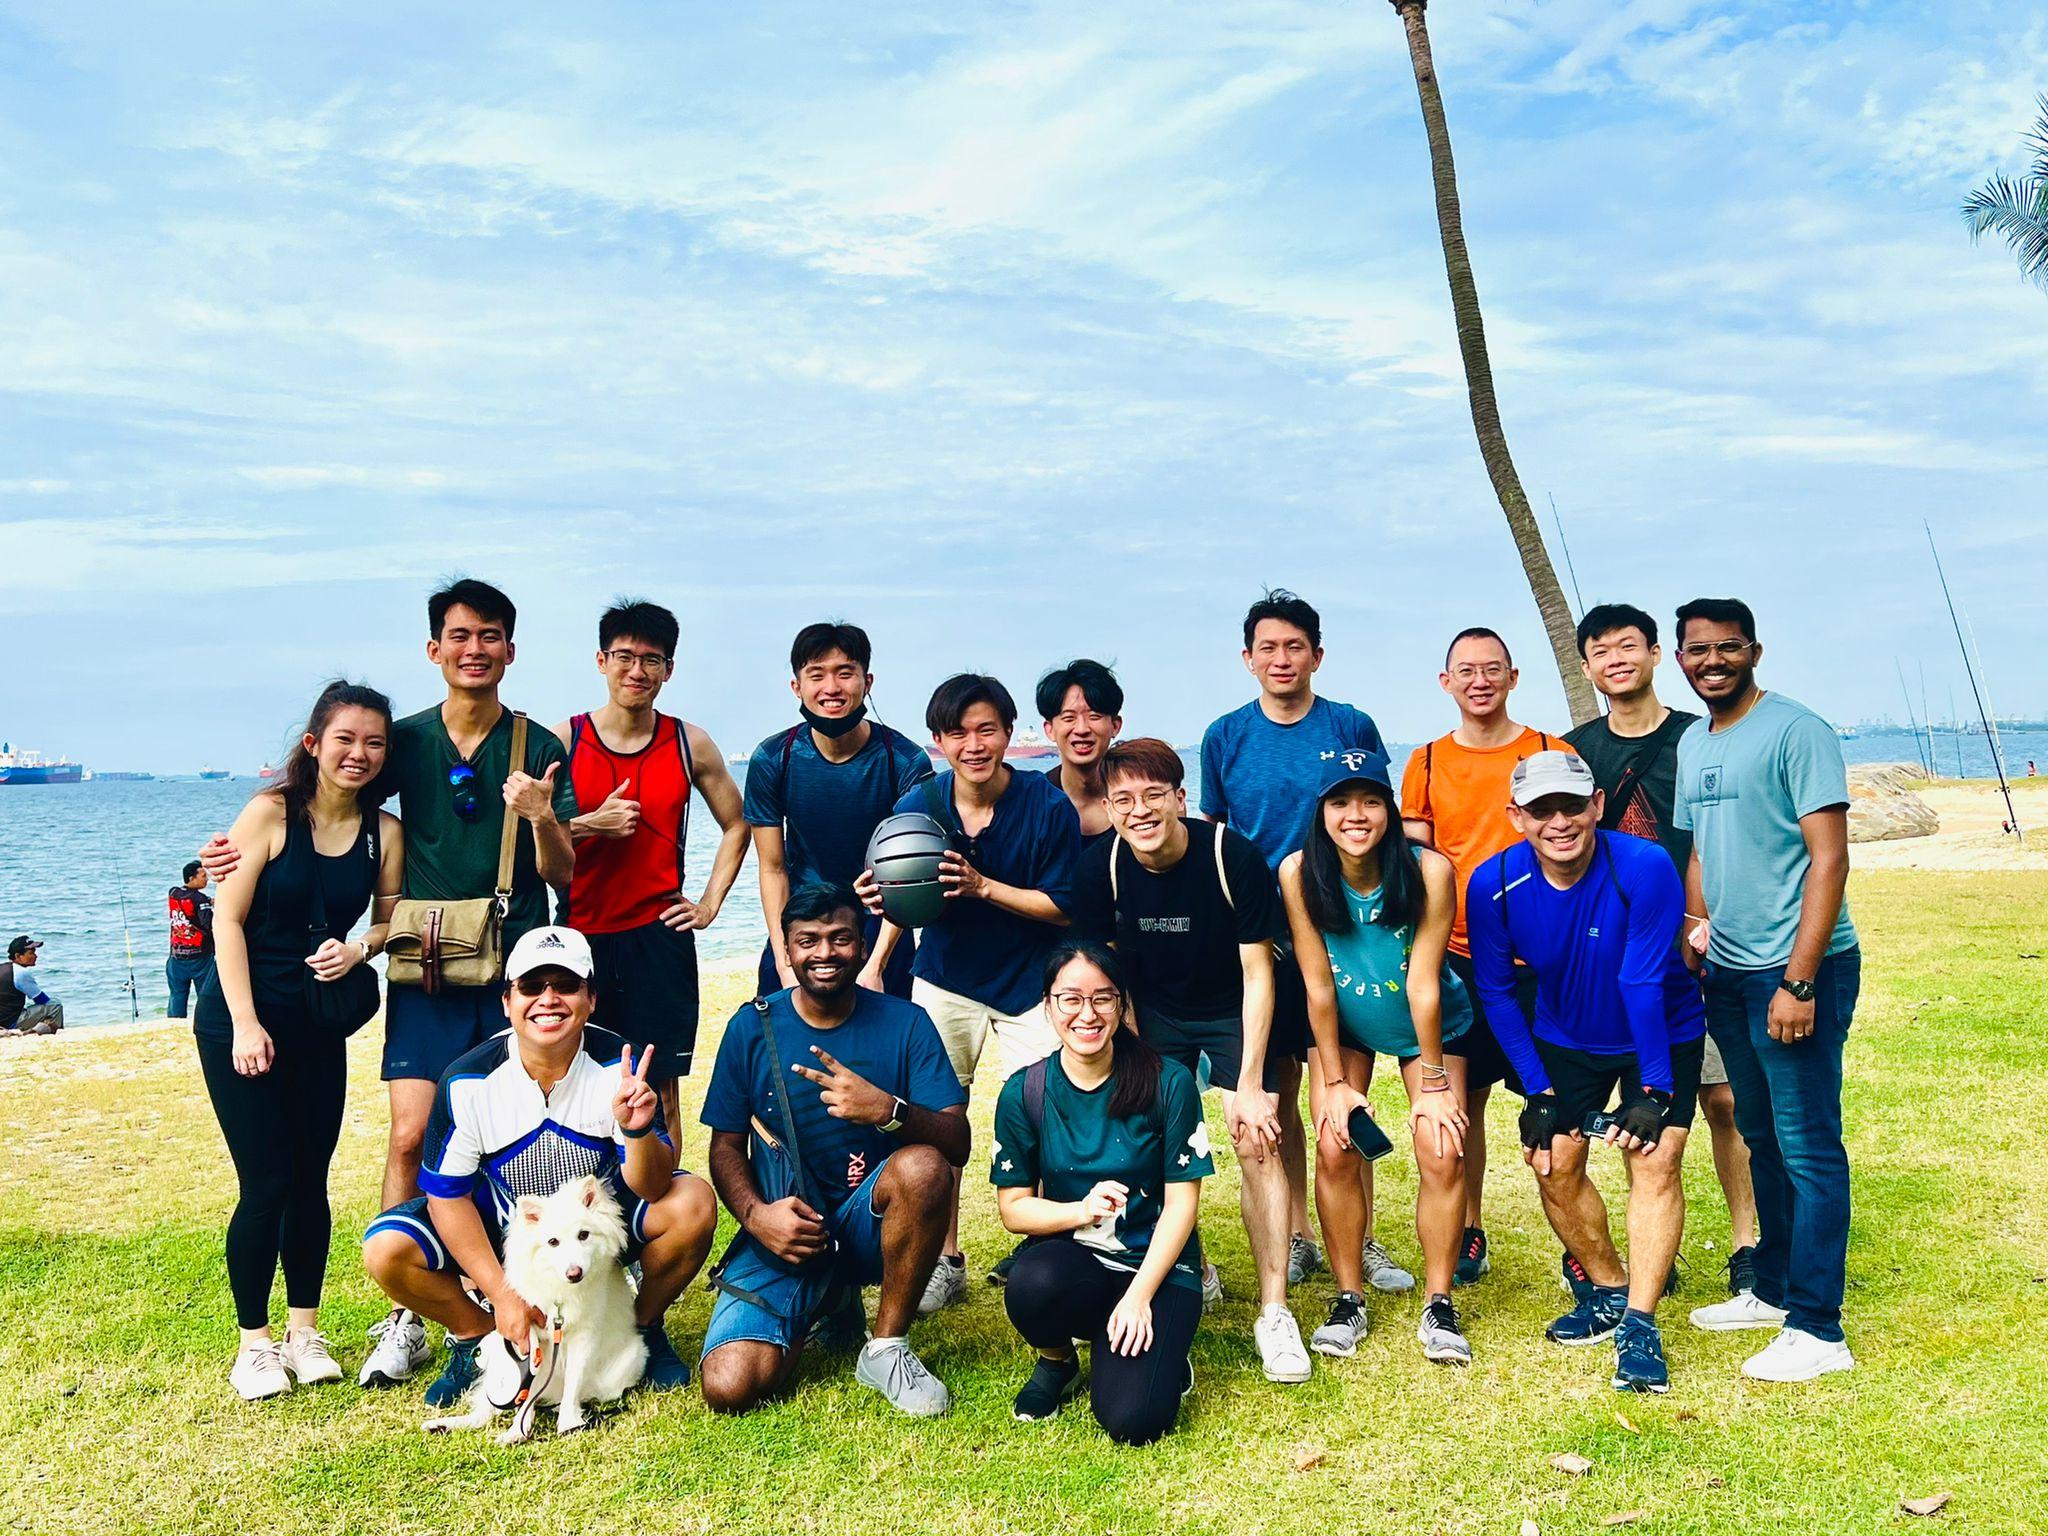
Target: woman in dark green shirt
x,y
1100,1151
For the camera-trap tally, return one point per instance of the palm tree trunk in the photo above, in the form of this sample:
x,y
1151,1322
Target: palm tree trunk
x,y
1493,442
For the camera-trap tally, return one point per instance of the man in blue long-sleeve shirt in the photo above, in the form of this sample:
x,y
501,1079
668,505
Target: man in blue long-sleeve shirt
x,y
1596,917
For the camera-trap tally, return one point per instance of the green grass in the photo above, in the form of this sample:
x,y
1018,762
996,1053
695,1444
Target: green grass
x,y
117,1415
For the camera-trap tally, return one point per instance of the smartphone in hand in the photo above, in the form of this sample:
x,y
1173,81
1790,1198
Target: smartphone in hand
x,y
1367,1139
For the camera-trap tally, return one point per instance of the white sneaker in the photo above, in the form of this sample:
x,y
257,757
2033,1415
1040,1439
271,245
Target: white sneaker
x,y
308,1357
947,1285
1212,1286
1737,1313
1795,1355
258,1372
398,1347
1281,1351
1381,1272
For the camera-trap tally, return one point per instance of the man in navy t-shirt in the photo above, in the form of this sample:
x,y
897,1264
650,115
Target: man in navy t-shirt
x,y
854,1190
816,791
1262,765
1009,878
1595,916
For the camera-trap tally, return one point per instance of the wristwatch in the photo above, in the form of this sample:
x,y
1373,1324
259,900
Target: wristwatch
x,y
897,1110
1803,990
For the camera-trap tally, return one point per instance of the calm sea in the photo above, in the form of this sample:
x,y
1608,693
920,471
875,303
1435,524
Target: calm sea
x,y
71,853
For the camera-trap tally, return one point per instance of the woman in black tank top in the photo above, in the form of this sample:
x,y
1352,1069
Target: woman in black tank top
x,y
316,852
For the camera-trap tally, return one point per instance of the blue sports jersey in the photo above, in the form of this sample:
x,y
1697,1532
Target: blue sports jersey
x,y
1260,778
891,1043
492,1131
976,948
1609,979
826,810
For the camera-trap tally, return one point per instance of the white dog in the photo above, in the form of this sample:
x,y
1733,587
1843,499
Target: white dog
x,y
562,1254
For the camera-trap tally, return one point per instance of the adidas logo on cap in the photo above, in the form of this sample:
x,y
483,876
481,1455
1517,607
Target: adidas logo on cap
x,y
563,947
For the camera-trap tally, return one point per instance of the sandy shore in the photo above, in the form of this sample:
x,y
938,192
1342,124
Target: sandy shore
x,y
1972,815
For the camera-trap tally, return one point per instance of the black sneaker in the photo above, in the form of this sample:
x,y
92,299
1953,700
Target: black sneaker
x,y
999,1272
1052,1383
1472,1259
1576,1280
1742,1271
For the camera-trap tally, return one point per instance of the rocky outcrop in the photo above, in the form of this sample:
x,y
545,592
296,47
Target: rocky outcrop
x,y
1883,806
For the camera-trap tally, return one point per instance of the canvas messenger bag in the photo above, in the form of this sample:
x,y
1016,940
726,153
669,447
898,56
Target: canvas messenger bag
x,y
435,944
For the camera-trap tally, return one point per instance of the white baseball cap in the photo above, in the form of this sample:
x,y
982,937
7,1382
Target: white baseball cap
x,y
1550,773
543,947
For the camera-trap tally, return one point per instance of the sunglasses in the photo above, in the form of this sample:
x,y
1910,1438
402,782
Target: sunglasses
x,y
462,780
565,983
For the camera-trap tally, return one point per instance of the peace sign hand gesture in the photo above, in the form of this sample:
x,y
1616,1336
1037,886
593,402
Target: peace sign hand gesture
x,y
634,1105
846,1094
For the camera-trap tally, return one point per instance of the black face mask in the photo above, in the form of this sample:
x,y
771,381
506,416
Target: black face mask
x,y
832,729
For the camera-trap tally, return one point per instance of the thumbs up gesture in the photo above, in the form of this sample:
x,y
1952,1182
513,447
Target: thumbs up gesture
x,y
532,798
617,815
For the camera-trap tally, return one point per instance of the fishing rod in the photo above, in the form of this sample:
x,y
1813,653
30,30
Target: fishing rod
x,y
134,1001
1990,741
1927,715
1919,745
1578,601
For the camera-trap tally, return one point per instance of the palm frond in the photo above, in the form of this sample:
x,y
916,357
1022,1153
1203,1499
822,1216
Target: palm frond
x,y
2016,208
2037,139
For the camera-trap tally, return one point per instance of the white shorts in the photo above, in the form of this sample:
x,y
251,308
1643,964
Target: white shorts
x,y
964,1025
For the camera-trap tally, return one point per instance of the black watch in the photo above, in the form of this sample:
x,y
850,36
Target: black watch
x,y
1803,990
898,1110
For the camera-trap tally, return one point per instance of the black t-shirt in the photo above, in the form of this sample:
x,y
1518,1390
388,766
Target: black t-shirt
x,y
1645,810
1177,931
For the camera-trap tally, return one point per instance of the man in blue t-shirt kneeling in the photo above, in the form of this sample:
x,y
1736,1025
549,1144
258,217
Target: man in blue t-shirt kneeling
x,y
1595,916
837,1122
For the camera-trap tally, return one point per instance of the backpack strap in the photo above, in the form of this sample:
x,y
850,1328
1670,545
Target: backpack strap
x,y
1222,874
782,774
1116,847
779,1073
1034,1095
935,804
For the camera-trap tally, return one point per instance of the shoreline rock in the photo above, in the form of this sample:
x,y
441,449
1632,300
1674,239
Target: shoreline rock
x,y
1883,805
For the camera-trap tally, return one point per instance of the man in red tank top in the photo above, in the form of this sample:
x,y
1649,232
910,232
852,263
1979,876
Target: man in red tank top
x,y
635,768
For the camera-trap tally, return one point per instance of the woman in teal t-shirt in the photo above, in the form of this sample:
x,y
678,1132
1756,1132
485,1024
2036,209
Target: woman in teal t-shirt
x,y
1100,1152
1370,915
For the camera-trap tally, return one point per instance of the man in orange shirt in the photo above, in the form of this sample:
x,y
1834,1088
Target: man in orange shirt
x,y
1454,798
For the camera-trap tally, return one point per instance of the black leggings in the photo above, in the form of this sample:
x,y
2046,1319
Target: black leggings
x,y
1060,1291
281,1128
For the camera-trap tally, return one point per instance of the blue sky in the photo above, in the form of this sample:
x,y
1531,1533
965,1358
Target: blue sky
x,y
1011,331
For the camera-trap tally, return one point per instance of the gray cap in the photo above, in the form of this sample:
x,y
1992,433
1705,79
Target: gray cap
x,y
1550,773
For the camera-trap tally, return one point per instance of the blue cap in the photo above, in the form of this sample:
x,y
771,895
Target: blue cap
x,y
1349,765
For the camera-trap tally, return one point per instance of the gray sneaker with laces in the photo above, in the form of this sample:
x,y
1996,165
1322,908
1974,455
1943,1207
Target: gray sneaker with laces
x,y
398,1347
1340,1336
1381,1272
1304,1258
893,1369
947,1285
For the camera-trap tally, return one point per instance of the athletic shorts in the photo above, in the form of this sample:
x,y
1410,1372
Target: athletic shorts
x,y
895,975
1291,1036
964,1027
1485,1061
413,1219
794,1295
646,980
1187,1041
1713,1071
1585,1083
424,1033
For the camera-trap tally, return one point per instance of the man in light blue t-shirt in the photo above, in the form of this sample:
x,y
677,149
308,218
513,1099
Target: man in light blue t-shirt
x,y
1763,789
1262,769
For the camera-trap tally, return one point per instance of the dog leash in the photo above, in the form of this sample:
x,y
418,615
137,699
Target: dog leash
x,y
543,1351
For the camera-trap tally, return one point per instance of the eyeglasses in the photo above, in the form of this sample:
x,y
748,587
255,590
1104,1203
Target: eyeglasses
x,y
1152,799
653,665
1069,1004
1727,650
565,983
462,780
1492,671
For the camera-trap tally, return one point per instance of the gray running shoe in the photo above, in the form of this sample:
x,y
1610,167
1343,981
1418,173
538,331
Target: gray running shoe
x,y
893,1370
1212,1286
1381,1272
1304,1258
1340,1336
1442,1339
398,1347
947,1285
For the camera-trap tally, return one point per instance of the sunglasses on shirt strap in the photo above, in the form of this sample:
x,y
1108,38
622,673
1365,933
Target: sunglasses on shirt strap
x,y
462,780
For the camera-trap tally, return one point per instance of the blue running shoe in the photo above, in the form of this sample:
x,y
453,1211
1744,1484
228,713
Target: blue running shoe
x,y
1639,1357
665,1369
457,1376
1591,1320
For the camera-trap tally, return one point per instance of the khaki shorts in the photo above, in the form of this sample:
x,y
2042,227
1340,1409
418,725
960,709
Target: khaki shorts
x,y
1712,1072
964,1025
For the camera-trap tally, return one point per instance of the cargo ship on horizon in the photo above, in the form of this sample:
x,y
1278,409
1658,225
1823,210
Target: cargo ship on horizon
x,y
22,766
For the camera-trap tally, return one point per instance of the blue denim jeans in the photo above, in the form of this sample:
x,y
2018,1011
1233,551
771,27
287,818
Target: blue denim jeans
x,y
1788,1106
186,974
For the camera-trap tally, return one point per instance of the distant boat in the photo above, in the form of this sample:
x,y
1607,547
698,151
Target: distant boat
x,y
124,778
22,766
215,773
1027,746
267,771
